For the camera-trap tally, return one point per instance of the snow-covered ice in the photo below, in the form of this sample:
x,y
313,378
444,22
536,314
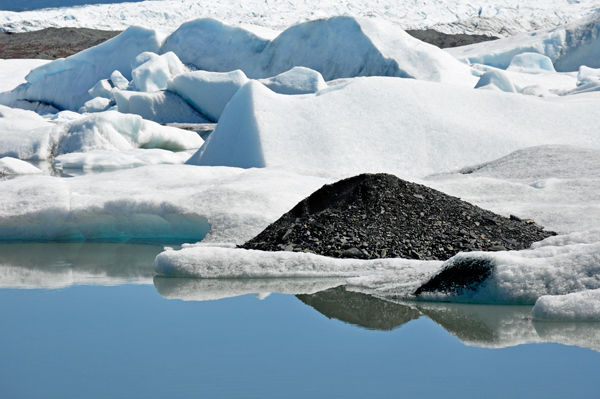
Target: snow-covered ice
x,y
409,127
577,306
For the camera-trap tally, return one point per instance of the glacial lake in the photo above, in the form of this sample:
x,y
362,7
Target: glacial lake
x,y
92,321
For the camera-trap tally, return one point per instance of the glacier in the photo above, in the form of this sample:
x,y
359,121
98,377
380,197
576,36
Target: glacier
x,y
499,18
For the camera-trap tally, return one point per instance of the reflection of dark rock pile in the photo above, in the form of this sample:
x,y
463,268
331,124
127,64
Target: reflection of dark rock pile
x,y
381,216
360,309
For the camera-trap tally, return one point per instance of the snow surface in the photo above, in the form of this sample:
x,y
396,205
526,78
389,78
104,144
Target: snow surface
x,y
500,18
168,202
13,72
568,46
578,306
106,160
404,126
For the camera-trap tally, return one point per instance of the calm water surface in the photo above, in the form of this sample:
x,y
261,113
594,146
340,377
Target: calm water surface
x,y
91,321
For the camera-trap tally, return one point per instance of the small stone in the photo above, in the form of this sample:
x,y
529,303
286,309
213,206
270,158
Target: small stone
x,y
497,248
352,253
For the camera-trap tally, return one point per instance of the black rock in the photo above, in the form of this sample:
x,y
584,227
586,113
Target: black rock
x,y
459,276
381,216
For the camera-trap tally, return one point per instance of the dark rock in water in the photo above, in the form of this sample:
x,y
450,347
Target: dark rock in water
x,y
381,216
459,276
360,309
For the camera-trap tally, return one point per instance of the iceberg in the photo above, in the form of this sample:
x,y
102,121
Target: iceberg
x,y
154,72
111,131
208,92
339,47
65,83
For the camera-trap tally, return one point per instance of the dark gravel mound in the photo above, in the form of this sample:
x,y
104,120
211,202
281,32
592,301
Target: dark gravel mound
x,y
51,43
443,40
381,216
360,309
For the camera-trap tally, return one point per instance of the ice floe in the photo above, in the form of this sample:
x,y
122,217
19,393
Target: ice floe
x,y
577,306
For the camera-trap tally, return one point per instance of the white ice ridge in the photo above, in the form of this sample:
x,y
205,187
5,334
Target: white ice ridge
x,y
568,46
455,16
578,306
404,126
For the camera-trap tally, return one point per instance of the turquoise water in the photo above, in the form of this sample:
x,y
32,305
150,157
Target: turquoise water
x,y
92,323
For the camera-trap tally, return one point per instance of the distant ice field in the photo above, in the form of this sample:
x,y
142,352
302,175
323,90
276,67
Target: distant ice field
x,y
497,18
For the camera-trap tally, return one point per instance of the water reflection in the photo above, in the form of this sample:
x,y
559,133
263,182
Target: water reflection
x,y
58,265
360,309
188,289
486,326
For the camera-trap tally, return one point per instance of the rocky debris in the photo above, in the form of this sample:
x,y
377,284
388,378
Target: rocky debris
x,y
51,43
360,309
373,216
443,40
